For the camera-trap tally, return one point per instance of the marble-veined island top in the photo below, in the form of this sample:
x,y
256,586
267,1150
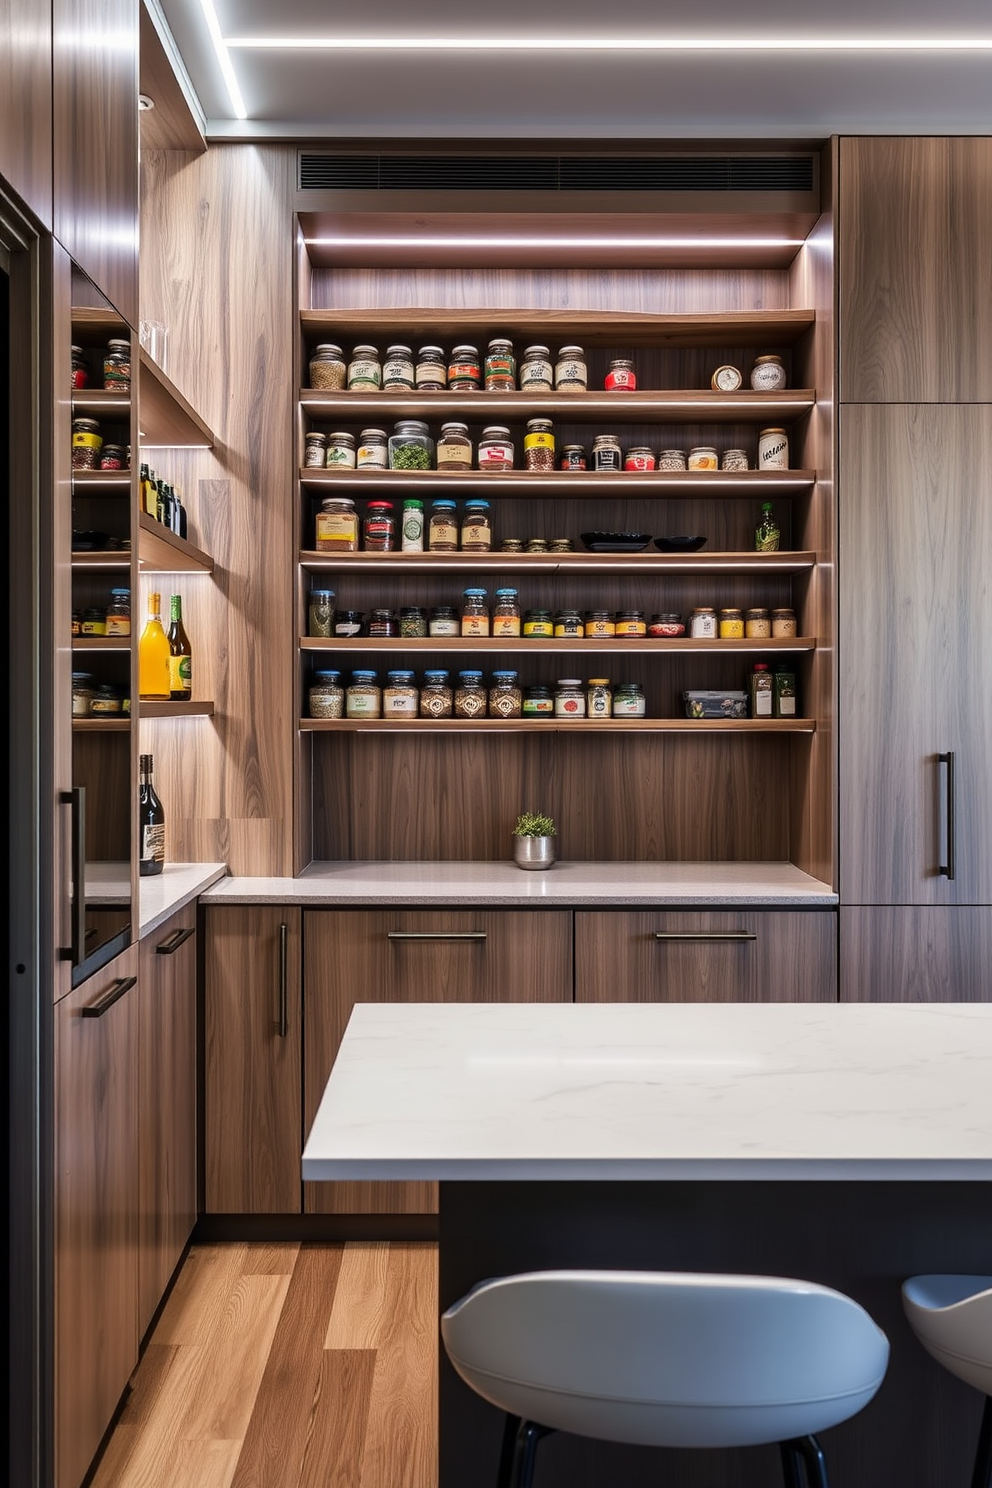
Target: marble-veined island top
x,y
658,1091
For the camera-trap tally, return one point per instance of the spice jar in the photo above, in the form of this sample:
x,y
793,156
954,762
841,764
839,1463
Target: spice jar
x,y
340,451
726,379
411,446
599,625
501,366
538,623
512,545
464,370
703,623
379,528
87,442
536,372
762,690
364,370
372,453
118,617
630,623
505,696
454,448
444,621
568,625
495,449
475,613
629,701
326,696
397,370
80,370
114,457
82,694
413,622
77,622
537,545
703,457
412,525
561,545
671,459
757,624
639,457
538,703
731,625
470,696
320,613
399,696
442,534
94,621
315,451
539,445
117,367
348,624
784,623
573,457
768,374
606,452
328,372
431,372
734,459
570,370
599,698
785,694
383,624
666,626
506,613
436,696
773,449
363,698
477,532
337,525
570,698
620,377
107,701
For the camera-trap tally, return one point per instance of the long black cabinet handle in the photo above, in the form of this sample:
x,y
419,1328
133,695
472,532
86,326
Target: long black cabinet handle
x,y
117,990
435,934
705,935
76,951
283,980
947,869
172,942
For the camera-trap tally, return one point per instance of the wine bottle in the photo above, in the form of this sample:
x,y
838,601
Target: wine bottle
x,y
153,655
151,822
766,533
180,654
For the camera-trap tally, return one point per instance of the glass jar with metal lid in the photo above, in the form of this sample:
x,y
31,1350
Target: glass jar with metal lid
x,y
505,696
117,366
398,370
444,621
399,696
599,625
320,613
340,453
437,700
118,620
379,528
413,622
703,623
671,459
337,525
348,624
495,449
501,366
539,445
784,622
477,532
536,371
631,623
326,696
731,624
82,694
757,624
411,446
538,702
454,448
87,442
768,374
703,457
364,370
442,532
475,613
80,369
573,457
629,701
383,624
570,698
506,612
606,453
107,701
568,625
412,525
620,377
570,370
537,545
431,371
734,459
666,626
470,696
94,621
114,457
315,451
328,371
599,698
464,370
639,457
538,623
372,452
363,698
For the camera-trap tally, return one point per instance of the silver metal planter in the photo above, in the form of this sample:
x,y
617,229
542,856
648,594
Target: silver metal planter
x,y
534,852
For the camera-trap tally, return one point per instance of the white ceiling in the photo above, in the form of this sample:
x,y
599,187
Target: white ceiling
x,y
640,92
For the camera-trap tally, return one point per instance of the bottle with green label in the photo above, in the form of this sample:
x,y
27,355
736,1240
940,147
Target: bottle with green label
x,y
766,533
412,536
180,655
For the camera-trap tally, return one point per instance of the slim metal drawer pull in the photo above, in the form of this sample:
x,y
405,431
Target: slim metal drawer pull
x,y
946,870
706,935
435,934
116,992
283,981
174,941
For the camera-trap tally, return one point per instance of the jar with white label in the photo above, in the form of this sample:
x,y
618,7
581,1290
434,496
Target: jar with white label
x,y
364,370
599,698
454,448
571,375
399,696
326,696
412,525
372,452
768,374
773,449
536,372
363,698
495,449
437,700
315,451
431,372
703,624
340,453
398,370
570,698
629,701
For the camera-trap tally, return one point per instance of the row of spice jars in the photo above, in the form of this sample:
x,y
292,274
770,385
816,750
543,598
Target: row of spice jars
x,y
91,452
468,697
114,363
464,369
113,619
98,699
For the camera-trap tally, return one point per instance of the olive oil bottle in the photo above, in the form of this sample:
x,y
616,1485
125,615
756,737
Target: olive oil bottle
x,y
766,533
153,655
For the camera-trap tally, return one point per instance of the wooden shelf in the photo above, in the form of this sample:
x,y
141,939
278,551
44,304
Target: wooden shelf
x,y
94,327
149,709
574,485
163,551
537,646
101,483
99,404
659,407
558,725
119,725
101,643
166,417
105,561
648,562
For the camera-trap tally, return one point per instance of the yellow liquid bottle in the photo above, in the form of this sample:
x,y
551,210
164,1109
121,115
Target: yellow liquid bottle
x,y
153,655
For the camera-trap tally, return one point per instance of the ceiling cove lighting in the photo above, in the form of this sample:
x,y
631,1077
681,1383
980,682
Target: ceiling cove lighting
x,y
223,59
885,45
425,241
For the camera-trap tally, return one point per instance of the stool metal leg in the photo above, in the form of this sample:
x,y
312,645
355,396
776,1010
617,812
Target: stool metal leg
x,y
982,1476
529,1433
803,1463
511,1425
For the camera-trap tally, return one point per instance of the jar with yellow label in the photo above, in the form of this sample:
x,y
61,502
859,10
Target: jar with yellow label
x,y
506,613
475,613
94,621
118,619
731,625
784,623
337,525
87,444
630,623
599,625
569,625
538,623
539,445
703,457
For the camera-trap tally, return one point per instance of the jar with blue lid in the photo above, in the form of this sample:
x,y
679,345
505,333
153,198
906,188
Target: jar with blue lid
x,y
363,698
437,700
506,613
505,696
399,696
475,613
470,696
442,531
326,697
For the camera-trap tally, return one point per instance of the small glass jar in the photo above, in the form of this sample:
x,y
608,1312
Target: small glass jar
x,y
561,545
444,621
570,698
315,451
703,623
398,370
599,698
340,451
364,370
337,525
82,694
537,374
470,696
629,701
442,534
464,370
475,613
413,622
505,696
94,621
731,625
372,452
620,377
768,374
512,545
495,449
107,701
573,457
87,443
506,613
363,698
538,703
379,528
320,613
666,626
671,459
326,696
431,371
454,448
399,696
757,624
570,370
568,625
501,366
477,532
773,449
537,545
117,367
703,457
599,625
383,624
80,370
411,446
734,459
348,624
639,457
114,457
538,623
436,697
328,372
606,454
631,623
784,623
412,525
77,623
118,618
539,445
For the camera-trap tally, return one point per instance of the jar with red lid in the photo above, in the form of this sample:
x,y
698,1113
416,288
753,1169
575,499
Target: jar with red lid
x,y
379,527
620,377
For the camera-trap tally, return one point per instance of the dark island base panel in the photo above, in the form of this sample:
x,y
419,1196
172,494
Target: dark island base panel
x,y
921,1429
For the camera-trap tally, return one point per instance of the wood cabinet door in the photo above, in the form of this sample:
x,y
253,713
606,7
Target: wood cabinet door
x,y
167,1105
96,1209
416,956
252,1047
915,616
903,953
915,270
706,956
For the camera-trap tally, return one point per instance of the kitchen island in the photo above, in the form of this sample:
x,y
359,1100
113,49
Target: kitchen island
x,y
849,1144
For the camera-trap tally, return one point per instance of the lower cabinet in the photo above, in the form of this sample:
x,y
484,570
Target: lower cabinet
x,y
706,956
96,1209
916,953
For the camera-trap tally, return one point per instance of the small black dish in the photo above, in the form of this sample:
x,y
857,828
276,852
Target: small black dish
x,y
679,544
615,542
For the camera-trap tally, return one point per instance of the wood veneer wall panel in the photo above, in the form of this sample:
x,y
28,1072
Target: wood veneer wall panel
x,y
26,104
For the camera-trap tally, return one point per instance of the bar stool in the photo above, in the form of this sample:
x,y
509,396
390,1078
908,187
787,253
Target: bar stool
x,y
952,1318
667,1359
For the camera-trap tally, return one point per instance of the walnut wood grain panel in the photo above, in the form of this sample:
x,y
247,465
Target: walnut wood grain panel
x,y
349,957
916,607
915,271
792,957
171,124
26,104
96,1210
252,1136
915,954
167,1096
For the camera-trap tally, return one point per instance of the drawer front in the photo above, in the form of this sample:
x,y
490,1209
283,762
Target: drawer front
x,y
706,956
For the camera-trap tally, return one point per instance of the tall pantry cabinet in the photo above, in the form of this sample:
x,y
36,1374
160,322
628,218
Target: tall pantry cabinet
x,y
915,530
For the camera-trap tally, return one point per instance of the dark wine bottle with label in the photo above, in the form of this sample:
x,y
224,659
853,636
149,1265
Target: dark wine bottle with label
x,y
151,822
180,655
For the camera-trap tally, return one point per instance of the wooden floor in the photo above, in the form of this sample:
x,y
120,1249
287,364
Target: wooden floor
x,y
287,1366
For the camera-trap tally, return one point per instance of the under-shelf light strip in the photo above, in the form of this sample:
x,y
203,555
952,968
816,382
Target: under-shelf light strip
x,y
508,241
751,43
224,59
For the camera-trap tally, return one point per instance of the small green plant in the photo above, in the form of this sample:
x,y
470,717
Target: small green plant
x,y
533,824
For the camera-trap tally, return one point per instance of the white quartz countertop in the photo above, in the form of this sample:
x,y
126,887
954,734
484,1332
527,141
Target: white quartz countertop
x,y
161,895
658,1091
780,885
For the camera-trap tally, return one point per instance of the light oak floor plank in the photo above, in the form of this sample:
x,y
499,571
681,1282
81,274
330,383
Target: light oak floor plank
x,y
359,1306
401,1443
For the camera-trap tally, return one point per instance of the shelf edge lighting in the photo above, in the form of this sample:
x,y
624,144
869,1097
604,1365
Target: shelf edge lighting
x,y
425,241
884,45
223,59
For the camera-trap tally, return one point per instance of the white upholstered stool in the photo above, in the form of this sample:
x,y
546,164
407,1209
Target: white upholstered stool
x,y
952,1318
667,1359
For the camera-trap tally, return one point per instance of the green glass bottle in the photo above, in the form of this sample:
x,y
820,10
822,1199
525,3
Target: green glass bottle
x,y
180,655
766,533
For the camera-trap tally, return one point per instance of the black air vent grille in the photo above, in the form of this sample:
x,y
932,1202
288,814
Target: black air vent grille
x,y
326,172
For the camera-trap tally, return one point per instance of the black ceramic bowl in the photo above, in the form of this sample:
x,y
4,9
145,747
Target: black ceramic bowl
x,y
679,544
615,542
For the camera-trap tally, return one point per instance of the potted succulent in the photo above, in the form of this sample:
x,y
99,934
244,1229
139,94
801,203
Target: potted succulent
x,y
534,840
